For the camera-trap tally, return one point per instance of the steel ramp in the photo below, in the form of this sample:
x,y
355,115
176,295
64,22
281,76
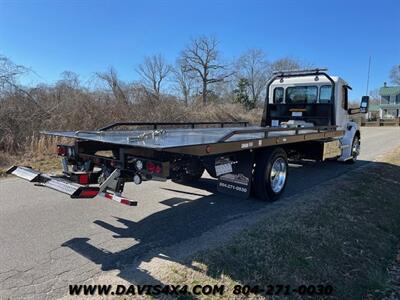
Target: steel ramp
x,y
54,182
64,185
24,173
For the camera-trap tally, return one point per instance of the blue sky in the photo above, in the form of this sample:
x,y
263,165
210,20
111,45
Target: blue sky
x,y
89,36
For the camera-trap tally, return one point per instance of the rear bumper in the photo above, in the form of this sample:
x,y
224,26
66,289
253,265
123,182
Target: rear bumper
x,y
63,185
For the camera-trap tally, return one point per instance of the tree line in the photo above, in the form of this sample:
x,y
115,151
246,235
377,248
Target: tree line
x,y
200,85
199,74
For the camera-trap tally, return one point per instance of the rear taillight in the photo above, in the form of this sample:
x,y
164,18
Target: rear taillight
x,y
61,150
83,179
66,150
153,167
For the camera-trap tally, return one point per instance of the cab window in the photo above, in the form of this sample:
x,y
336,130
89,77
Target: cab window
x,y
278,95
301,94
325,93
345,98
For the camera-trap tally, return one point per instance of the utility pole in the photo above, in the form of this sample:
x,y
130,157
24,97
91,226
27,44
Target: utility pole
x,y
369,69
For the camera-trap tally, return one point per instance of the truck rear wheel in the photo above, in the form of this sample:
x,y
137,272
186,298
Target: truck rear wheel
x,y
191,177
270,174
188,173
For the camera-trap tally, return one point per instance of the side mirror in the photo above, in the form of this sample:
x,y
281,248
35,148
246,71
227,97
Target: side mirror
x,y
364,104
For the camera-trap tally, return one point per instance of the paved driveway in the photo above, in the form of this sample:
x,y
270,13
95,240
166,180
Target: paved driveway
x,y
48,240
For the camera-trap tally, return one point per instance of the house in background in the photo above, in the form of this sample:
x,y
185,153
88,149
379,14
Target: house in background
x,y
390,102
373,112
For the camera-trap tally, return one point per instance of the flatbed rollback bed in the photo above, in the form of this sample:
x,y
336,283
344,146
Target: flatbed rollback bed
x,y
245,159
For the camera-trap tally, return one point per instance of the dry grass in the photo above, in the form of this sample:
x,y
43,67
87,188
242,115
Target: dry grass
x,y
40,155
21,121
21,143
344,233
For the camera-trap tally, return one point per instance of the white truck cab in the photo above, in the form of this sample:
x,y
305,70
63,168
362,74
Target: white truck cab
x,y
313,98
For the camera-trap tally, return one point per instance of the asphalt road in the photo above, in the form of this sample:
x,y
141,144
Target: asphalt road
x,y
48,240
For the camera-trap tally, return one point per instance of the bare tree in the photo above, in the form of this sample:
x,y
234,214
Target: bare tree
x,y
201,58
395,74
285,64
9,74
184,81
255,69
153,71
111,78
9,71
9,84
70,79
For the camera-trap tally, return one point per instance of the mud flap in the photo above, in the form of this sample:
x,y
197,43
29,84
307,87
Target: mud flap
x,y
235,174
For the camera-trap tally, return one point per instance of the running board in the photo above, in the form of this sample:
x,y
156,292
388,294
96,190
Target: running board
x,y
65,186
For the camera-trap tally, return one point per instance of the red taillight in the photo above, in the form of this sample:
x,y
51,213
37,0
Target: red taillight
x,y
61,150
150,166
88,193
126,202
157,169
153,168
83,179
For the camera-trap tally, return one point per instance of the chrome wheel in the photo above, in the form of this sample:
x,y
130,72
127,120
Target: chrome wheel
x,y
278,175
270,174
355,149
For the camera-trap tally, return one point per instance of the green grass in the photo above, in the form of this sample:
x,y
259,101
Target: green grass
x,y
344,233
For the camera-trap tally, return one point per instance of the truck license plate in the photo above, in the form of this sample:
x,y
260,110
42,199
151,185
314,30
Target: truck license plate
x,y
223,169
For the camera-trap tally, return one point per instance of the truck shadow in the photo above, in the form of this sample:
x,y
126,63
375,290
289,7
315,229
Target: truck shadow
x,y
186,219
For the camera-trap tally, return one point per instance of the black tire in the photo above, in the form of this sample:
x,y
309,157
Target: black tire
x,y
265,187
190,177
355,150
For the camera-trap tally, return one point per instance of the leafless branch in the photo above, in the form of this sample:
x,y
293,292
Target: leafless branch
x,y
153,71
111,78
201,59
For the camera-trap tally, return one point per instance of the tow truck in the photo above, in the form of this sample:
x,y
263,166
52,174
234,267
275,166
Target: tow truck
x,y
306,115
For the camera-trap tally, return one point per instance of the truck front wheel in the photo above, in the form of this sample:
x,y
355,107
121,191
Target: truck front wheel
x,y
270,174
355,150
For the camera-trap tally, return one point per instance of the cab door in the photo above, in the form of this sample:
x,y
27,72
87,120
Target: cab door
x,y
342,106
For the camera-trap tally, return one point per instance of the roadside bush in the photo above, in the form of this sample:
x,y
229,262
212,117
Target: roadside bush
x,y
67,108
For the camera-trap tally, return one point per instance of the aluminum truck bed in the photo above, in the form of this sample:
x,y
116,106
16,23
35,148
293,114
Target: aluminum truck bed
x,y
188,140
169,138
